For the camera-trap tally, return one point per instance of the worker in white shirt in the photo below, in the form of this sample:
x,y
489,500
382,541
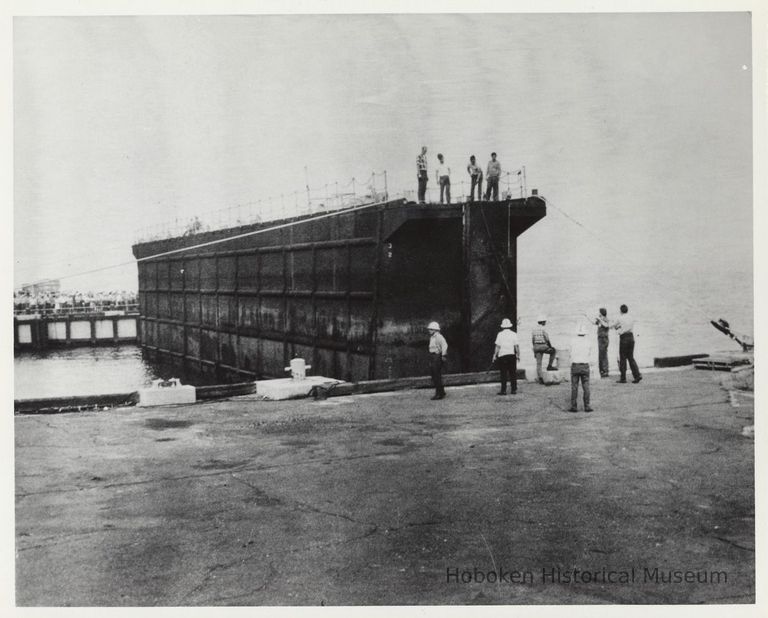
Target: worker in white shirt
x,y
581,352
626,325
507,351
476,176
492,178
443,173
603,325
438,353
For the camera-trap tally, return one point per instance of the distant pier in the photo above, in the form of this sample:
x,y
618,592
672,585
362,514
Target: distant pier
x,y
40,332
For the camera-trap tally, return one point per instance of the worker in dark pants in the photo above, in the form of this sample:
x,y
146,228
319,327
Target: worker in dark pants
x,y
438,351
602,341
443,175
581,351
492,178
542,346
421,174
625,325
476,176
507,351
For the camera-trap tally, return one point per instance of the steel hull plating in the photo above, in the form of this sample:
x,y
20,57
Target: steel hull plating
x,y
351,293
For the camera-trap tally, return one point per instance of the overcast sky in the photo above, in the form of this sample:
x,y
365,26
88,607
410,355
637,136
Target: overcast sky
x,y
636,125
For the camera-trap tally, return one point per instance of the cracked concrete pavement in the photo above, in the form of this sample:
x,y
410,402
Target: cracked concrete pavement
x,y
373,499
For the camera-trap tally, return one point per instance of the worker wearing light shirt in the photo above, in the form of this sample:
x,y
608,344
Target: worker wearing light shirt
x,y
581,353
443,173
603,325
625,325
438,353
492,179
507,351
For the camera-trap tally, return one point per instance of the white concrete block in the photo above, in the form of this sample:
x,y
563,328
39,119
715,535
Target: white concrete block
x,y
554,377
57,331
104,329
288,388
25,333
80,329
163,393
126,328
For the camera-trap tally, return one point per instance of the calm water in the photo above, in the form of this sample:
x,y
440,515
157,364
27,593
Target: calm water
x,y
81,371
672,318
637,126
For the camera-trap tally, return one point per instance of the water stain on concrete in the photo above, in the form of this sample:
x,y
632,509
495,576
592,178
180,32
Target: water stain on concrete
x,y
166,423
300,443
218,464
262,498
391,442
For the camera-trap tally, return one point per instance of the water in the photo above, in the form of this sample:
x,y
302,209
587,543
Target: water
x,y
672,319
672,311
81,371
637,126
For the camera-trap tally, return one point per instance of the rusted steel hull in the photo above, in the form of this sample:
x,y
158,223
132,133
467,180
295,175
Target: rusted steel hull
x,y
350,293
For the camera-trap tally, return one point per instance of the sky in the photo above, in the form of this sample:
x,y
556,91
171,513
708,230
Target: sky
x,y
636,127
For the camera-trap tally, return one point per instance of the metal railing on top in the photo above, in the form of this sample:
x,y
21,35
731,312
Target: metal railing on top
x,y
45,312
333,196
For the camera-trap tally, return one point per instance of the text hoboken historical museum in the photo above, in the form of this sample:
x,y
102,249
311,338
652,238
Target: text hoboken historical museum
x,y
554,575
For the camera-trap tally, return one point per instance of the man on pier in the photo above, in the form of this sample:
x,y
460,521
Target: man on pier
x,y
438,351
421,174
443,173
625,325
581,352
476,176
542,346
602,341
492,178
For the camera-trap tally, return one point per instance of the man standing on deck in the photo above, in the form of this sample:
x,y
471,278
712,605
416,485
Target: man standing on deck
x,y
602,341
438,351
581,351
476,176
443,173
492,178
507,351
542,346
421,174
625,325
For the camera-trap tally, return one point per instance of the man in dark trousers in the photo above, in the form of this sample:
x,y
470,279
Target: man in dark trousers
x,y
581,353
476,176
542,346
507,351
438,351
625,325
421,174
602,341
492,179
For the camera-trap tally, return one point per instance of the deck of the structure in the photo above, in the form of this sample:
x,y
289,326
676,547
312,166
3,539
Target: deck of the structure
x,y
374,499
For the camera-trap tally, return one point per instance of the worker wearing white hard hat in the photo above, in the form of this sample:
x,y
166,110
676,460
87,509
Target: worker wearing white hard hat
x,y
581,353
438,352
542,346
506,351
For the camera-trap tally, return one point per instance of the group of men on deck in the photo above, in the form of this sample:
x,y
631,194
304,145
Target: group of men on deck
x,y
443,178
506,354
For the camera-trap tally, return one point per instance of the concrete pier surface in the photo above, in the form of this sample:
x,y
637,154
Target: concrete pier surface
x,y
394,499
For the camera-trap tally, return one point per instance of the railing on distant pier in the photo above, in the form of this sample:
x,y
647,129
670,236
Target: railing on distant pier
x,y
334,196
48,312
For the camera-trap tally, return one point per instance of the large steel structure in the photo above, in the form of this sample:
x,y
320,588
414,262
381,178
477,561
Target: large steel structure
x,y
351,291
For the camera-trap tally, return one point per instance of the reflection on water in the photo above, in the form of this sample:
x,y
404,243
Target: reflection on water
x,y
81,371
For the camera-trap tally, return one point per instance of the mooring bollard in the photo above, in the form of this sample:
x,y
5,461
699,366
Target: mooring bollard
x,y
298,369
